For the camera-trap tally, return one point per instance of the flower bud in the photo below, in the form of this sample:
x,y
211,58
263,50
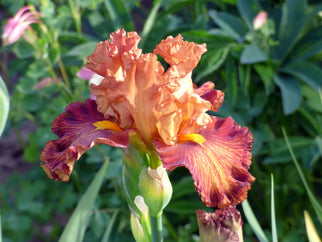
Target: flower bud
x,y
140,223
259,20
222,225
155,187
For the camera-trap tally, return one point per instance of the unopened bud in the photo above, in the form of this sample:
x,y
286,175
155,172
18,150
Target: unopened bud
x,y
259,20
155,187
222,225
140,223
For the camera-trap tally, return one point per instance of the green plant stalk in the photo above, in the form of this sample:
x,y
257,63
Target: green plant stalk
x,y
74,8
156,228
317,207
63,73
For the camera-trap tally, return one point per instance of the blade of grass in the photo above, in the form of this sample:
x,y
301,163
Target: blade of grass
x,y
107,233
4,104
150,22
76,226
119,14
317,207
0,229
253,222
274,231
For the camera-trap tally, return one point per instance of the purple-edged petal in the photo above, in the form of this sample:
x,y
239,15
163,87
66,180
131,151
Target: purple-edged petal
x,y
219,164
76,134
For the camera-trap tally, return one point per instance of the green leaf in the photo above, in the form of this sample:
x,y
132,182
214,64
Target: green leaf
x,y
150,21
274,230
83,50
109,227
231,78
0,229
244,77
316,205
231,24
248,10
172,7
253,222
305,71
76,226
214,60
266,73
4,104
309,45
253,54
291,92
318,141
293,25
213,39
119,14
183,187
179,207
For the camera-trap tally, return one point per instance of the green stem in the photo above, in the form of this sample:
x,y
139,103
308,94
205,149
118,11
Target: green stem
x,y
63,73
156,228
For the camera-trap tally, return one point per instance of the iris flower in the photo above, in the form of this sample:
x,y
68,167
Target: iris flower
x,y
18,24
135,94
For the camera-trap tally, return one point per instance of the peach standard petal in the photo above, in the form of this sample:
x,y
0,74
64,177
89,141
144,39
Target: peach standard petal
x,y
219,166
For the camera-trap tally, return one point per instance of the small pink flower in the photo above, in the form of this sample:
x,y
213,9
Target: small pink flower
x,y
259,20
48,81
17,25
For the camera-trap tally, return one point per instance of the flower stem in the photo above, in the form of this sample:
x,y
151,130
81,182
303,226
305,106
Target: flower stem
x,y
156,228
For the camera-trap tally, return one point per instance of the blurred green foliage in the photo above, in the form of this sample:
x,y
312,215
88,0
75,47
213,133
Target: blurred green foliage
x,y
271,78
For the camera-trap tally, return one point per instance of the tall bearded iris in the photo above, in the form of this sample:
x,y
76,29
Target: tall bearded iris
x,y
136,96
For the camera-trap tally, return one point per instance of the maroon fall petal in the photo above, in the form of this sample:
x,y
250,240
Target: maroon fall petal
x,y
77,134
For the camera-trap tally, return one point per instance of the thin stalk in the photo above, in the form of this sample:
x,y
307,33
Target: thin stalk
x,y
74,7
21,141
63,73
156,228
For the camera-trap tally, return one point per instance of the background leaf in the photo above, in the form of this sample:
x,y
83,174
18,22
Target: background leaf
x,y
253,54
316,205
291,92
231,24
248,9
119,14
273,218
76,226
253,222
0,229
305,71
4,104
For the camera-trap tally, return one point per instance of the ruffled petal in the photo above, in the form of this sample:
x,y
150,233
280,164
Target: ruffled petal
x,y
183,56
77,133
107,57
207,92
219,166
